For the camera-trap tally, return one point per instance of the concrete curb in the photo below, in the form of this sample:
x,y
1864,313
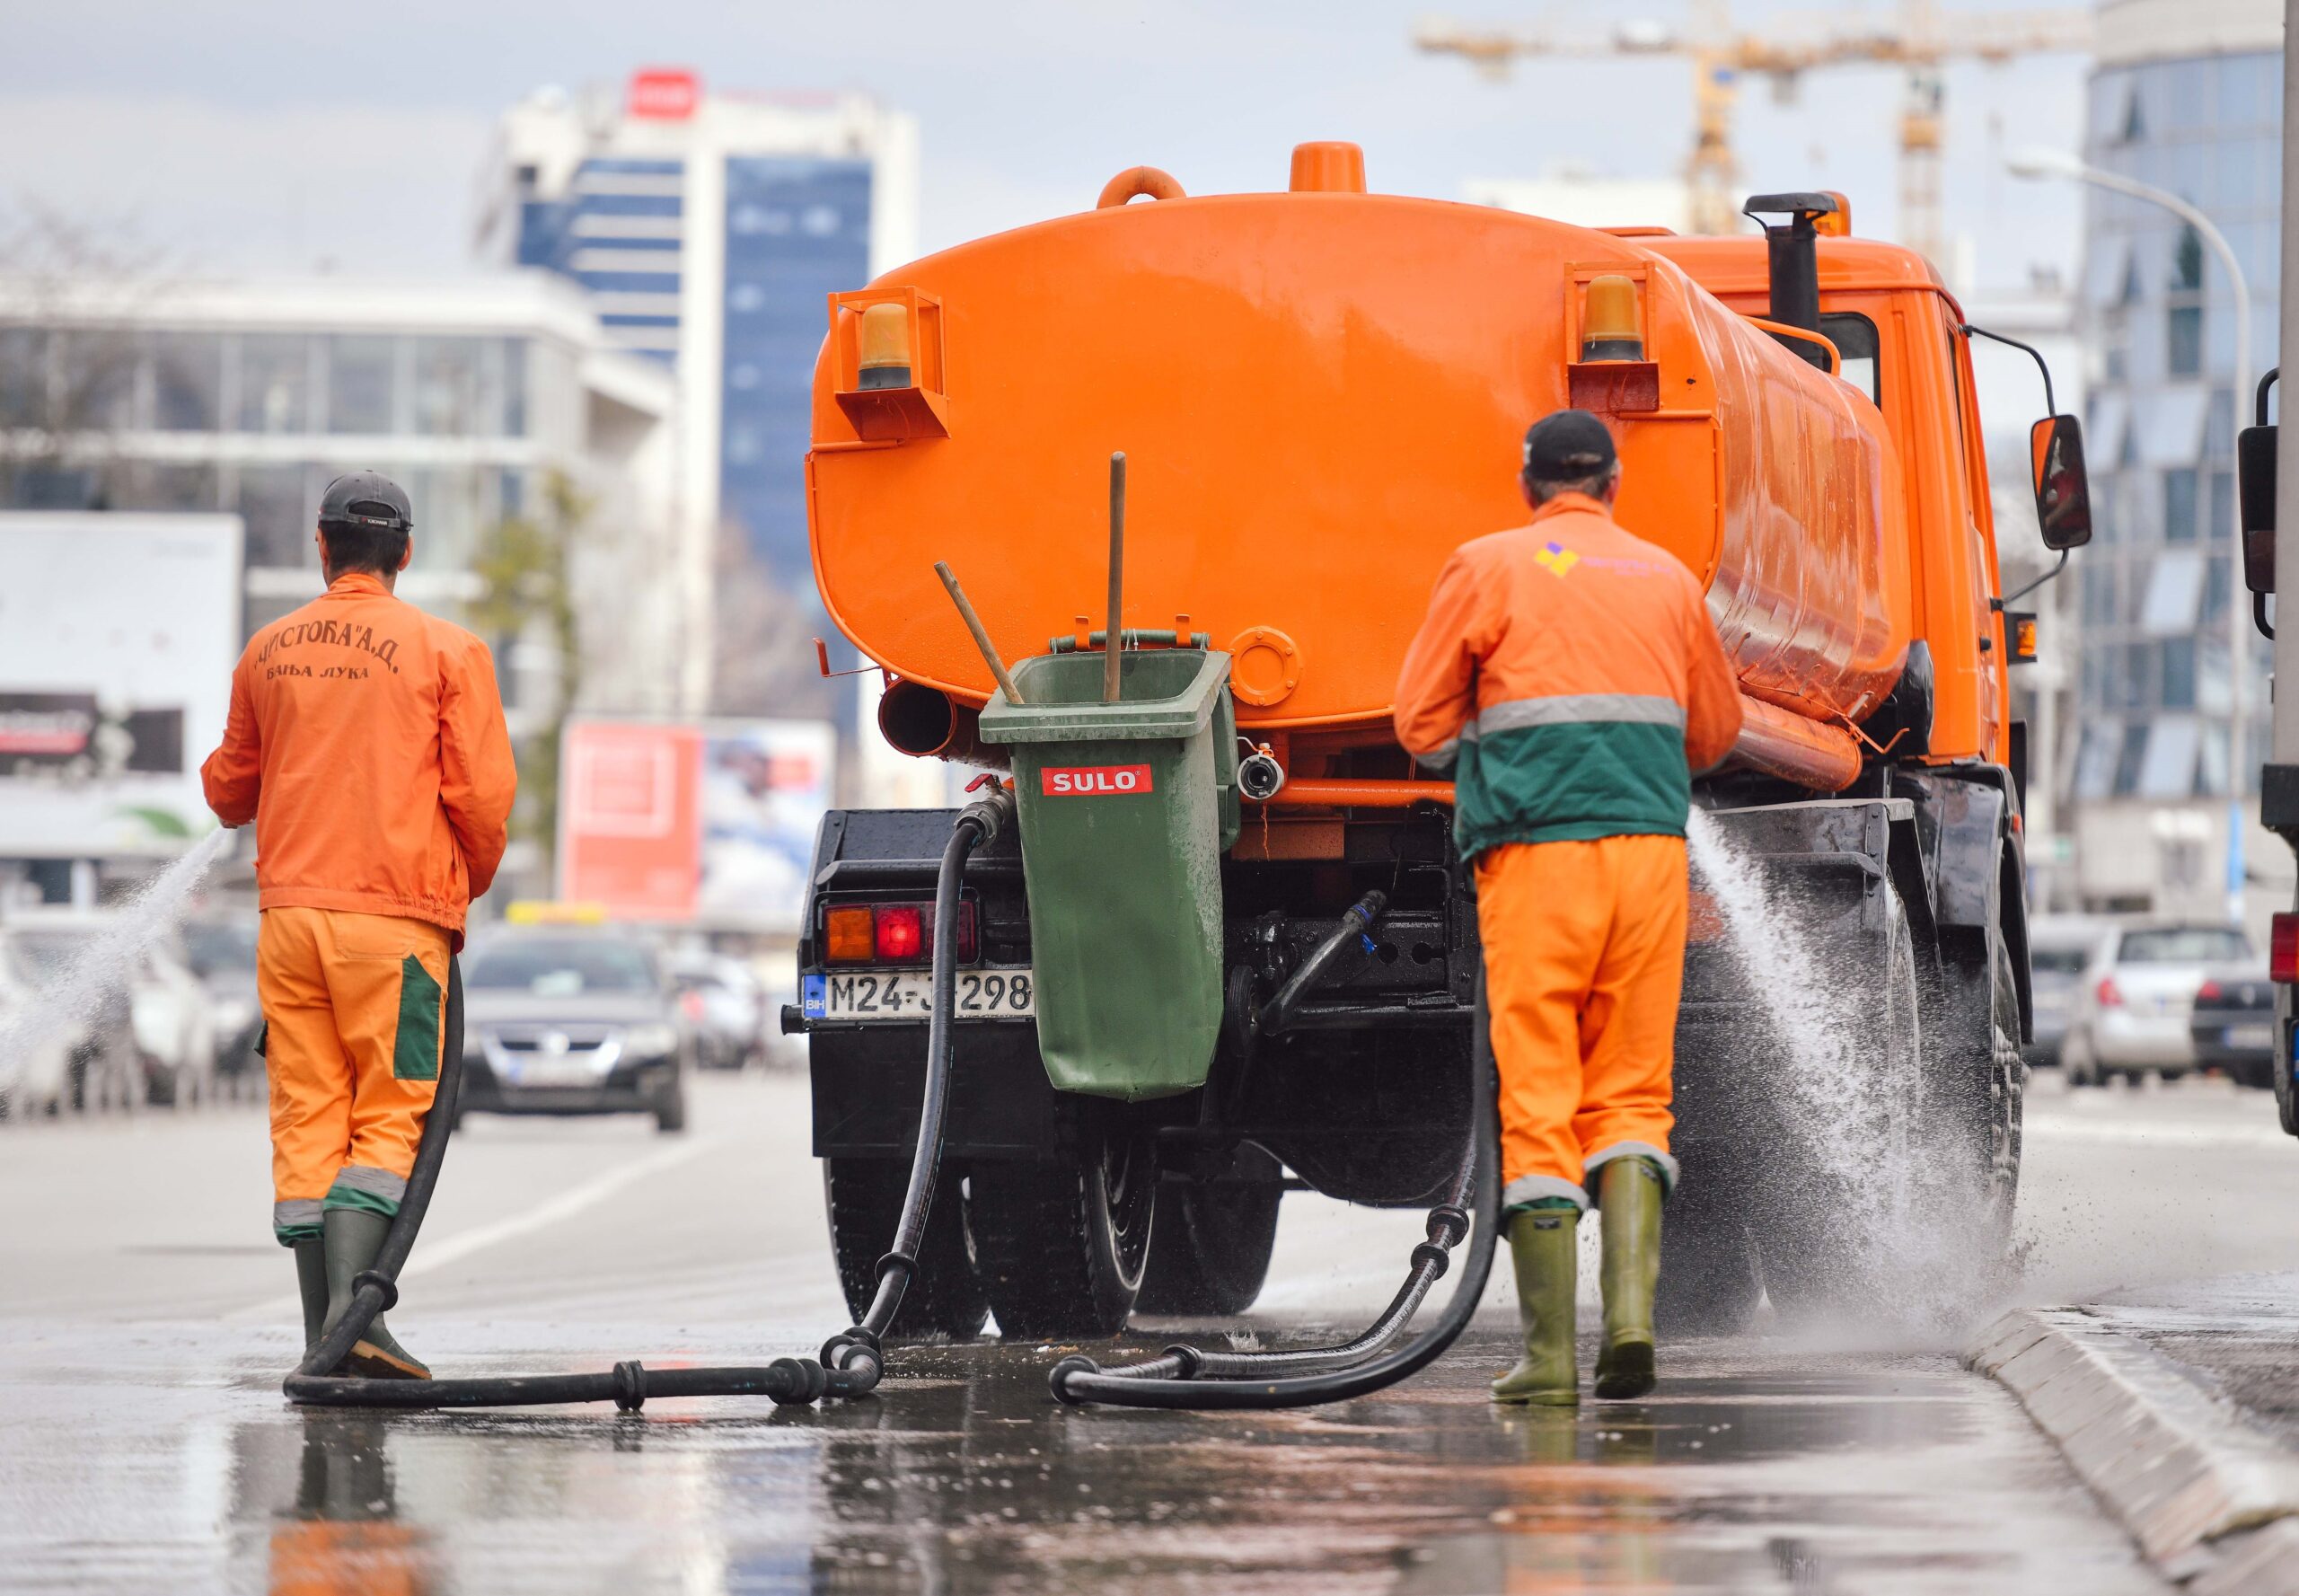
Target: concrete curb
x,y
2212,1501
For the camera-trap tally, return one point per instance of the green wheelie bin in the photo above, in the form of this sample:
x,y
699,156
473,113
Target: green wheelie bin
x,y
1126,808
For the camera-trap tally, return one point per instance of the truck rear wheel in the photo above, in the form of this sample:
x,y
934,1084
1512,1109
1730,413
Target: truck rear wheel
x,y
1063,1243
1214,1239
1709,1284
864,1197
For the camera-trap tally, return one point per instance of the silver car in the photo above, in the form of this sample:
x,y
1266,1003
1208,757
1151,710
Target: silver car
x,y
2060,949
2133,1011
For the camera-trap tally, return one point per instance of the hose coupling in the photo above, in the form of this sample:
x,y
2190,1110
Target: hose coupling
x,y
854,1338
801,1382
1192,1361
898,1263
1448,1224
990,815
385,1287
1260,776
630,1385
1438,1258
1059,1378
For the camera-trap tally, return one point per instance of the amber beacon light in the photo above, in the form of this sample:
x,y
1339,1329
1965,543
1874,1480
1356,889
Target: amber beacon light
x,y
885,360
1609,330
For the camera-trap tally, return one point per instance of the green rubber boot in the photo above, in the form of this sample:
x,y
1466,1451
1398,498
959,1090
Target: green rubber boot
x,y
355,1238
1628,1192
311,1279
1542,1243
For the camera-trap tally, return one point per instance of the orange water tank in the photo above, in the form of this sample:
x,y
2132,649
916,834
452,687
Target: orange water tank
x,y
1320,393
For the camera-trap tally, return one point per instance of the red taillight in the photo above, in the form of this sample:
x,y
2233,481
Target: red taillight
x,y
2209,988
2110,994
691,1004
901,931
894,934
2283,949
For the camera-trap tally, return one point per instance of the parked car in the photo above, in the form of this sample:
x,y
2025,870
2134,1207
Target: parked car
x,y
173,1019
36,1077
101,1067
2234,1024
2137,1000
559,1020
220,950
2060,948
727,1004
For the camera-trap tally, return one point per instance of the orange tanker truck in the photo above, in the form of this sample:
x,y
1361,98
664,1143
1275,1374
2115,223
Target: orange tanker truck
x,y
1227,950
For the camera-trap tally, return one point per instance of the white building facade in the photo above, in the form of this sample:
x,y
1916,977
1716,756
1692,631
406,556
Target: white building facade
x,y
246,398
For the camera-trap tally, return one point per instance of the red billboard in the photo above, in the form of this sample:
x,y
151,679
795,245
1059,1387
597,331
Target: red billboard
x,y
709,824
631,828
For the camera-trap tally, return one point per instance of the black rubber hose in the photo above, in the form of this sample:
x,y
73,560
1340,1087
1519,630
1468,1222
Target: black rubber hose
x,y
850,1362
1186,1376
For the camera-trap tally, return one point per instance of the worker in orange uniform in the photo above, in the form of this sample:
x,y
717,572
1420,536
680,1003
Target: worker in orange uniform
x,y
1569,675
367,742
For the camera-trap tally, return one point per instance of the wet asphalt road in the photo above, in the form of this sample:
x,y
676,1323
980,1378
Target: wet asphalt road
x,y
145,1319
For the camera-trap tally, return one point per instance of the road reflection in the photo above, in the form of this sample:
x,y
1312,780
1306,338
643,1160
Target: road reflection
x,y
341,1532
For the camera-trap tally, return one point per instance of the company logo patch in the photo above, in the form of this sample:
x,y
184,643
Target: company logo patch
x,y
1558,557
1095,781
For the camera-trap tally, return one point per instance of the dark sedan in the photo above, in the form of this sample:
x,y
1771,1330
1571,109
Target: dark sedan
x,y
2234,1026
561,1021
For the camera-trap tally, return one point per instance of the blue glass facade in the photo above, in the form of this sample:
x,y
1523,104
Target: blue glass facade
x,y
797,230
618,232
2158,315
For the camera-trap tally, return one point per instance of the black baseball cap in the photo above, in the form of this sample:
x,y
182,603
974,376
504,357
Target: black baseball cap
x,y
1567,445
367,499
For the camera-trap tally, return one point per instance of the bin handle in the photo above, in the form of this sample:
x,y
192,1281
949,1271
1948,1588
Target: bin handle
x,y
1131,638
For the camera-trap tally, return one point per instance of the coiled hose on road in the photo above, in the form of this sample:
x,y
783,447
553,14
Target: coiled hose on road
x,y
1189,1377
850,1362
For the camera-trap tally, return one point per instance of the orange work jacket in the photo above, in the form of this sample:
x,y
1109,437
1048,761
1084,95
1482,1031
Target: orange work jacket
x,y
367,742
1568,674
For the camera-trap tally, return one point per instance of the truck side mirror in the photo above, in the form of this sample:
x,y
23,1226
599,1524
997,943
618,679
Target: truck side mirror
x,y
2255,494
2062,491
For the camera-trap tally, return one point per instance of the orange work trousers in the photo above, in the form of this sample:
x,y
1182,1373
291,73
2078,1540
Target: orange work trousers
x,y
352,1006
1584,960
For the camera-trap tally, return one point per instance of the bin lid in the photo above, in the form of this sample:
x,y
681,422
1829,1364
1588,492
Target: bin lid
x,y
1167,694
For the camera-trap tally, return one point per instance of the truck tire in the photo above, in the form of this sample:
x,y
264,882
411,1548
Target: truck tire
x,y
1709,1280
1815,1206
1063,1243
670,1109
1998,1138
1212,1240
864,1200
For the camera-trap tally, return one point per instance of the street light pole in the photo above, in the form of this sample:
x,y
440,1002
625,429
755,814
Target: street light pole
x,y
2037,163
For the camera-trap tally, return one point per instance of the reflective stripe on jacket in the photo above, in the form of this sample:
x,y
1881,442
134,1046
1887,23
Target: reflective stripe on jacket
x,y
1568,676
367,742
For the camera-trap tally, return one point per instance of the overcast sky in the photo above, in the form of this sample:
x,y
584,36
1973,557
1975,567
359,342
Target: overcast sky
x,y
256,136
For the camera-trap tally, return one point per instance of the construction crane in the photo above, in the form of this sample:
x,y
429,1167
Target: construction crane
x,y
1916,41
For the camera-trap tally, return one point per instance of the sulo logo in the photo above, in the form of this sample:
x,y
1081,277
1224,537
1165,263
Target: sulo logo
x,y
1095,781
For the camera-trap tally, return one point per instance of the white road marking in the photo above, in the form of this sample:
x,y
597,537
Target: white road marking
x,y
2124,1134
576,1199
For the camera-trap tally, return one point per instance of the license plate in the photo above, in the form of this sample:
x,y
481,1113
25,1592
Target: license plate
x,y
2259,1037
909,995
556,1071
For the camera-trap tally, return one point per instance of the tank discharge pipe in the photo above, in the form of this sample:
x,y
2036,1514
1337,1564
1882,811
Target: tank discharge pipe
x,y
1189,1377
1809,753
849,1363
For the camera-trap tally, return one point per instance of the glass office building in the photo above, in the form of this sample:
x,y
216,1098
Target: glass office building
x,y
2195,109
709,231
